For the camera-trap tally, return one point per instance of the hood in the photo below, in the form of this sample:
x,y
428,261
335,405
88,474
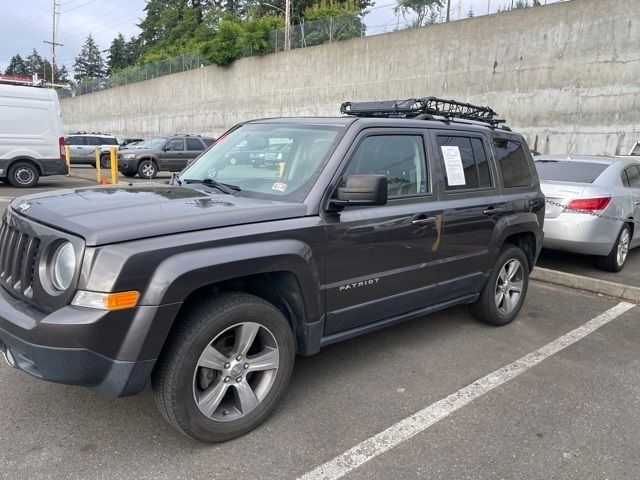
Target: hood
x,y
105,215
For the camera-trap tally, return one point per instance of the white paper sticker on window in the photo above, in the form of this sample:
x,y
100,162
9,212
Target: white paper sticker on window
x,y
453,165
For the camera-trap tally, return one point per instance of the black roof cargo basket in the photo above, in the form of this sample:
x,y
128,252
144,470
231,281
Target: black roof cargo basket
x,y
422,108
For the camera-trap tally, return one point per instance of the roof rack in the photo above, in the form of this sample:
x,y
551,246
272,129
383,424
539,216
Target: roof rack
x,y
426,108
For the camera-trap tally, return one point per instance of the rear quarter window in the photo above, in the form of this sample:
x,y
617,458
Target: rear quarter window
x,y
569,170
513,163
109,141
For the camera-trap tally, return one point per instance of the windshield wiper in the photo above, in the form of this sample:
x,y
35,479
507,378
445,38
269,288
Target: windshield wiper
x,y
209,182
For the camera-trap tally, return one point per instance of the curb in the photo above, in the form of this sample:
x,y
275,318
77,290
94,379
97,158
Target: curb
x,y
588,284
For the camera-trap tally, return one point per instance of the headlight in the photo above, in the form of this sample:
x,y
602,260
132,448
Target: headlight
x,y
128,156
63,266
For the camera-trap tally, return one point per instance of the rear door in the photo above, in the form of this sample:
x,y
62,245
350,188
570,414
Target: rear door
x,y
380,259
472,204
77,147
194,148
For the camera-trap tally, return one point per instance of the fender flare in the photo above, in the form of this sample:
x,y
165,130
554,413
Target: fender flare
x,y
513,225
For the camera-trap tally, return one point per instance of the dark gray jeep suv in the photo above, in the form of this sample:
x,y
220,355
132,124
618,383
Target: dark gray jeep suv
x,y
212,284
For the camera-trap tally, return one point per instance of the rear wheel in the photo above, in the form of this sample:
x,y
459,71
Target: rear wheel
x,y
225,368
147,169
23,175
503,296
105,161
614,262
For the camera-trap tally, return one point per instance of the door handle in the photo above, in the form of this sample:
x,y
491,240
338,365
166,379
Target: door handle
x,y
424,221
493,210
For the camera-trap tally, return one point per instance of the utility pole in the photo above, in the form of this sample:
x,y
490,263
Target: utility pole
x,y
459,10
287,25
56,12
448,10
488,7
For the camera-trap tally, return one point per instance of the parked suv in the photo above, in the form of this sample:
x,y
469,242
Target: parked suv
x,y
82,147
162,153
211,285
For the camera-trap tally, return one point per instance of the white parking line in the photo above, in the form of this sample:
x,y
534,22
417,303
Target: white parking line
x,y
420,421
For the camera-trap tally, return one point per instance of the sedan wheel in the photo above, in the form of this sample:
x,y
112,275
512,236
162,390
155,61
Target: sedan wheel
x,y
614,262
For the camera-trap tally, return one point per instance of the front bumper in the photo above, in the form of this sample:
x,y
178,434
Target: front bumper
x,y
129,166
581,233
111,352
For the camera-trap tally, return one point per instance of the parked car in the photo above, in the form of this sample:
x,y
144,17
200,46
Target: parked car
x,y
82,147
130,141
273,156
594,206
212,284
170,153
31,139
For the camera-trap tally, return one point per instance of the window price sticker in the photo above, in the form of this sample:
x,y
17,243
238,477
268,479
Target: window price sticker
x,y
453,165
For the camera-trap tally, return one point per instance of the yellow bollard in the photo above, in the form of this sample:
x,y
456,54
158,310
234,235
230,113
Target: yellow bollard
x,y
67,156
281,168
114,166
98,170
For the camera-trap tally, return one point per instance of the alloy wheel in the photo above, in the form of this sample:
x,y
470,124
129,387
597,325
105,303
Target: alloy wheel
x,y
509,286
235,372
623,247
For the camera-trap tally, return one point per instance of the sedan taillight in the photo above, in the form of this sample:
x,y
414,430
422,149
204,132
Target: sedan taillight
x,y
589,204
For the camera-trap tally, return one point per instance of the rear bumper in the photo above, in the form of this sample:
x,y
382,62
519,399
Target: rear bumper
x,y
113,353
581,233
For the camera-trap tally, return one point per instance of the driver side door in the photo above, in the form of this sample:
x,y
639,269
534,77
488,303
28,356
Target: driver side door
x,y
172,157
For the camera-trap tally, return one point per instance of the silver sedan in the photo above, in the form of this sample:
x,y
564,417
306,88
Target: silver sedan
x,y
593,206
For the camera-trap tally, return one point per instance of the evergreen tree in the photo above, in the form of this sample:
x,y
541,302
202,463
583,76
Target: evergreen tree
x,y
62,75
35,64
17,66
89,64
134,49
117,58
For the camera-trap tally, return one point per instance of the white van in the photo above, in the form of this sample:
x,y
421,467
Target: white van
x,y
31,137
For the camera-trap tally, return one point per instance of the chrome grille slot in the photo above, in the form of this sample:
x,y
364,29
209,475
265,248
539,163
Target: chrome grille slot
x,y
18,253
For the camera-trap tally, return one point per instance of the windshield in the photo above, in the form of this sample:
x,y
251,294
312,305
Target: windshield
x,y
569,171
155,142
267,160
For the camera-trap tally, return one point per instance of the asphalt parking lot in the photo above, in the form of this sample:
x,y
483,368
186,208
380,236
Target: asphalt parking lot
x,y
572,414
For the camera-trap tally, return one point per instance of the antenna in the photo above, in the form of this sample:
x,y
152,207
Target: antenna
x,y
56,12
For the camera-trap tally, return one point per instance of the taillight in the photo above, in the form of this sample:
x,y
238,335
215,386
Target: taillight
x,y
589,204
61,144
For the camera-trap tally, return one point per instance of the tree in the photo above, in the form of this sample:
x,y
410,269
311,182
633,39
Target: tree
x,y
330,20
258,32
117,58
470,14
17,66
422,9
89,64
227,44
62,75
35,64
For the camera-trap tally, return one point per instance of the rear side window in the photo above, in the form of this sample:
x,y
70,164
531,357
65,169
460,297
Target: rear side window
x,y
108,141
194,144
208,141
513,163
465,162
633,174
569,171
74,141
93,140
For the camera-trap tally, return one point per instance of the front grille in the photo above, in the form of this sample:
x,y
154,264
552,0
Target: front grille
x,y
18,253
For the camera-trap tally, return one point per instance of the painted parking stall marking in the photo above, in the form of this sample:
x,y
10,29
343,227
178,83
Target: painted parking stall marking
x,y
423,419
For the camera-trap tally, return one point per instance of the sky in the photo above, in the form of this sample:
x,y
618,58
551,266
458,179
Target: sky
x,y
25,24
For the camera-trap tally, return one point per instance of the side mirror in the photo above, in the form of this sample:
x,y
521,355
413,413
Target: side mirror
x,y
362,190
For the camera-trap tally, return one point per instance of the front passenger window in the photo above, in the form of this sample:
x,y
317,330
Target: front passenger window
x,y
175,145
400,158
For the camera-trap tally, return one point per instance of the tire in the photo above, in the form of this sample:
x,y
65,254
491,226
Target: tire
x,y
500,303
147,169
105,161
212,327
233,161
614,262
23,175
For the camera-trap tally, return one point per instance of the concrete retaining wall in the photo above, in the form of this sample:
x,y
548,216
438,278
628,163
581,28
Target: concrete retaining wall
x,y
567,75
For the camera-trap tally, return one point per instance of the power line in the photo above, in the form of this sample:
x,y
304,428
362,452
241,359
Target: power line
x,y
79,6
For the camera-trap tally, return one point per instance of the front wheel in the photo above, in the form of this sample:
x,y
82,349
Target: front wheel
x,y
614,262
23,175
503,296
226,367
